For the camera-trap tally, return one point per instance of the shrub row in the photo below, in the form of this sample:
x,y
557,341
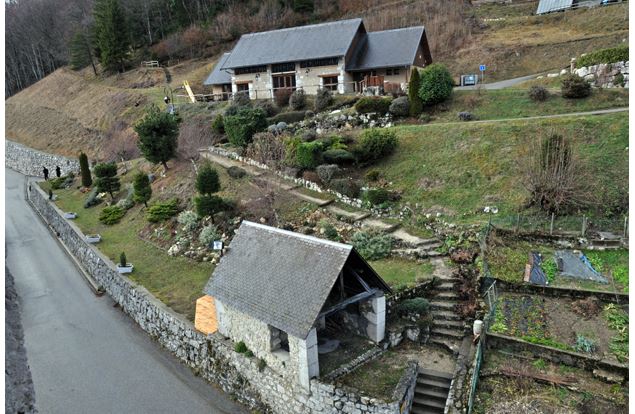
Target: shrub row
x,y
163,211
612,55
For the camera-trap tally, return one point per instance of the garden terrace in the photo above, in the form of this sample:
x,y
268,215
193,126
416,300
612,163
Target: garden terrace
x,y
517,383
585,325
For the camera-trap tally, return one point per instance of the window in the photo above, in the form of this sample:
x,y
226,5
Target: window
x,y
330,83
250,69
392,71
283,67
319,62
388,72
283,82
242,87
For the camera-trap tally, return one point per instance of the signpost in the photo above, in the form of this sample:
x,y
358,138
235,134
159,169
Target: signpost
x,y
482,69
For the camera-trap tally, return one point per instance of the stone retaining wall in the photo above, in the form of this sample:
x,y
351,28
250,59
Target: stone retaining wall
x,y
212,357
606,75
30,162
560,292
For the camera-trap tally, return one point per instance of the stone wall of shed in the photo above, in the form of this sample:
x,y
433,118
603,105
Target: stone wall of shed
x,y
211,356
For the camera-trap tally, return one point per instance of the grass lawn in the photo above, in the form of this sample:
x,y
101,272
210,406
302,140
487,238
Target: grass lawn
x,y
379,377
402,273
515,103
462,168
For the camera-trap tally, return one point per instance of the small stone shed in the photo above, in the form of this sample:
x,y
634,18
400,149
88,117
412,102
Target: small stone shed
x,y
275,289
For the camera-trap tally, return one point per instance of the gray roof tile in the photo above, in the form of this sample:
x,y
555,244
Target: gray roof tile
x,y
388,48
331,39
218,76
547,6
279,277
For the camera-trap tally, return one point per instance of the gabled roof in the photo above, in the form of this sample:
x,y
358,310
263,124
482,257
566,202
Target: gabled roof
x,y
316,41
218,76
280,277
388,48
547,6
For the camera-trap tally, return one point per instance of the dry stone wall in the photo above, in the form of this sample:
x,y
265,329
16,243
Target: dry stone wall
x,y
30,162
212,356
606,75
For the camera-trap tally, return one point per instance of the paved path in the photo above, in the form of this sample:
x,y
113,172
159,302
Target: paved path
x,y
87,356
504,83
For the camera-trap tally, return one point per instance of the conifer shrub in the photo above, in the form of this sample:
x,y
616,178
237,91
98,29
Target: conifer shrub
x,y
436,84
374,144
574,87
240,128
111,215
163,211
87,180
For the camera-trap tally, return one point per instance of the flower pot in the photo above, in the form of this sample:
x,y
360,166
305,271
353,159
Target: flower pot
x,y
93,238
125,269
70,215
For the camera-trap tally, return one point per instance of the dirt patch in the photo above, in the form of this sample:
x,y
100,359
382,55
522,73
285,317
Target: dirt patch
x,y
588,307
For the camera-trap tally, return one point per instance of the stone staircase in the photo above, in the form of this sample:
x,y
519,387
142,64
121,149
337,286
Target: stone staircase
x,y
431,392
447,328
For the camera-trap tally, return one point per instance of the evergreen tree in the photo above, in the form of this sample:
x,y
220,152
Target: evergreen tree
x,y
436,84
416,104
87,180
81,52
158,132
142,188
207,181
111,34
107,180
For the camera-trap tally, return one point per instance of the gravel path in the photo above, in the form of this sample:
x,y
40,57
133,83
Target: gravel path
x,y
18,391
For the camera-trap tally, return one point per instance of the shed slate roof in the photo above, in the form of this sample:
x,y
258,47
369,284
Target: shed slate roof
x,y
388,48
279,277
316,41
547,6
218,76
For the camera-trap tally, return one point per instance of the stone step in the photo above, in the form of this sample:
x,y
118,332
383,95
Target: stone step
x,y
227,162
419,253
445,343
424,410
445,315
446,285
447,295
441,305
415,241
433,383
449,324
446,333
429,403
379,225
423,392
434,373
354,216
319,201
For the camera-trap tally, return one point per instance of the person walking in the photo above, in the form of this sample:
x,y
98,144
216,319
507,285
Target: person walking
x,y
45,171
58,172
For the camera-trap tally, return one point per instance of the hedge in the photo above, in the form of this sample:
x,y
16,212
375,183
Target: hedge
x,y
241,127
370,104
288,117
612,55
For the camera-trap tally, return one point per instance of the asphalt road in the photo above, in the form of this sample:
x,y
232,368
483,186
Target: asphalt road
x,y
87,356
504,83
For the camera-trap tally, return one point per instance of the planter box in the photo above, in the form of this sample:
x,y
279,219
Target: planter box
x,y
93,238
125,269
70,215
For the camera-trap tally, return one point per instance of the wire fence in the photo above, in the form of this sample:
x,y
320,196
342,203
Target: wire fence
x,y
582,226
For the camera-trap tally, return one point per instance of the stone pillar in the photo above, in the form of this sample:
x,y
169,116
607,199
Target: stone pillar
x,y
308,364
220,318
376,318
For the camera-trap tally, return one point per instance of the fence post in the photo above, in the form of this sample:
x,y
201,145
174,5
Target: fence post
x,y
551,226
583,225
625,226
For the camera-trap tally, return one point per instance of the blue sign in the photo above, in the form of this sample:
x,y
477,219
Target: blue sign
x,y
482,68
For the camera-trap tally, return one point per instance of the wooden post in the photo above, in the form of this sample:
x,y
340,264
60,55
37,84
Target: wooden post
x,y
583,225
625,223
551,226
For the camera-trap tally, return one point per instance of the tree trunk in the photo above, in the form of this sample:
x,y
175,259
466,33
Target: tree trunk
x,y
165,166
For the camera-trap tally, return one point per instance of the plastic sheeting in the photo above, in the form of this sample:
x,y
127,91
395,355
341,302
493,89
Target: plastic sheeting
x,y
576,265
534,273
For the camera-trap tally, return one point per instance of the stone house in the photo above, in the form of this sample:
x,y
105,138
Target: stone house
x,y
340,56
276,290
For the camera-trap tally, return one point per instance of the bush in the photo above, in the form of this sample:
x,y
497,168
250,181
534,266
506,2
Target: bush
x,y
57,183
207,181
375,143
372,244
327,172
87,180
297,100
309,135
163,211
268,107
188,219
242,99
236,172
346,186
142,188
208,205
308,154
107,180
329,231
584,344
282,97
425,118
209,234
400,106
309,114
125,203
111,215
574,87
241,127
538,93
240,347
466,116
218,124
311,176
323,100
338,156
415,102
436,84
369,104
261,364
288,117
376,196
612,55
372,175
91,199
419,306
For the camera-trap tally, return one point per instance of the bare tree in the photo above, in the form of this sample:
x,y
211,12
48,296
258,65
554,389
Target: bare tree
x,y
121,143
194,134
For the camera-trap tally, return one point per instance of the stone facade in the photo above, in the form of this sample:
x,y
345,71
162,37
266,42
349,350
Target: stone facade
x,y
211,356
606,75
30,162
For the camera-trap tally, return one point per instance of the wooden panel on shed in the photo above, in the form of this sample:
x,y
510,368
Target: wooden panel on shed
x,y
205,319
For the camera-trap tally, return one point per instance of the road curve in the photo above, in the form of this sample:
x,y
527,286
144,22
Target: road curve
x,y
86,356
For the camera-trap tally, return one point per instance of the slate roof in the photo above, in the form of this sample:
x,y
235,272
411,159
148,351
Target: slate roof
x,y
279,277
316,41
388,48
547,6
218,76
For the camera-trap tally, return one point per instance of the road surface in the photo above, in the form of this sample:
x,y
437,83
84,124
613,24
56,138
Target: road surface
x,y
87,356
504,83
